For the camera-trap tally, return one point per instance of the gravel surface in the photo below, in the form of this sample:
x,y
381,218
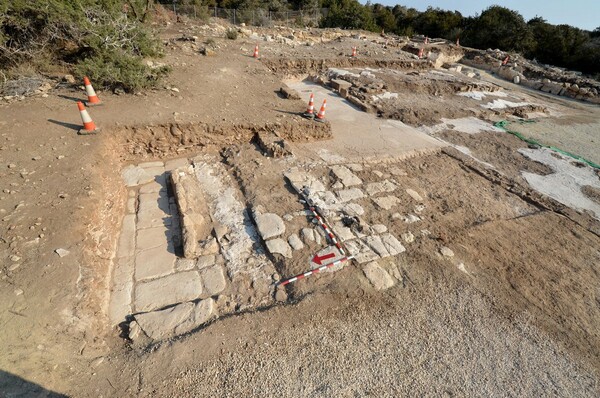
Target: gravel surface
x,y
442,339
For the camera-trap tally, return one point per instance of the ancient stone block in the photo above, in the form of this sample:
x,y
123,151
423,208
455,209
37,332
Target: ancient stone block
x,y
269,225
213,280
171,289
347,177
176,320
279,246
155,262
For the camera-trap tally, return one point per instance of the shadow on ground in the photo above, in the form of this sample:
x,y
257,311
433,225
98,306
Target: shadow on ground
x,y
14,386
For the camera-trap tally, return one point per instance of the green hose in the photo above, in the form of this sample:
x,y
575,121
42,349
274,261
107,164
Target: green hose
x,y
503,123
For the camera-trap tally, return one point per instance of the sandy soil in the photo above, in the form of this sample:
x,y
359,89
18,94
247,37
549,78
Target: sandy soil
x,y
513,312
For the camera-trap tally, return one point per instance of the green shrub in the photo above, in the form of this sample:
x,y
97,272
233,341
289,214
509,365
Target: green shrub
x,y
92,37
118,69
232,34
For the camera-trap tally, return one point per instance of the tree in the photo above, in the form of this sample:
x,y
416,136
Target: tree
x,y
348,14
435,22
499,27
384,18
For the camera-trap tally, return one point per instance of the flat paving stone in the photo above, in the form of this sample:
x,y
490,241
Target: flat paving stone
x,y
131,206
172,289
308,235
206,261
279,246
386,202
156,163
123,270
413,194
213,280
152,187
375,188
155,262
361,251
347,177
353,209
148,238
392,245
119,305
176,320
377,245
134,176
269,225
155,171
295,242
378,277
379,228
126,244
347,195
173,164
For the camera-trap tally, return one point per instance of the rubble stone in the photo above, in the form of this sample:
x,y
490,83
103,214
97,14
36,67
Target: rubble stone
x,y
446,252
386,202
377,187
392,245
269,225
308,235
413,194
295,242
347,177
347,195
279,246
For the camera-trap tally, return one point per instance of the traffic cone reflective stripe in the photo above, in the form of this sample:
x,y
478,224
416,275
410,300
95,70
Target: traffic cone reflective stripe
x,y
321,114
255,55
91,94
88,125
311,105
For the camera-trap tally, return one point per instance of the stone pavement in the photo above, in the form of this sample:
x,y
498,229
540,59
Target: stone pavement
x,y
158,289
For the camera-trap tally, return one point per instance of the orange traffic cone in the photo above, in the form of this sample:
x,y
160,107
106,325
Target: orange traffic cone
x,y
255,55
354,51
91,94
420,53
310,111
321,114
506,60
89,127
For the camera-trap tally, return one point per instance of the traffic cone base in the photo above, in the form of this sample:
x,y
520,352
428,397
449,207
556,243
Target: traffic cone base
x,y
89,127
89,132
321,114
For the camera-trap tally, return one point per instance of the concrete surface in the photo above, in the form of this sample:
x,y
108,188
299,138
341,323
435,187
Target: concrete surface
x,y
360,136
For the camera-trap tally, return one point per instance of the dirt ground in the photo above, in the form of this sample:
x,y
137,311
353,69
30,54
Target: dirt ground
x,y
515,311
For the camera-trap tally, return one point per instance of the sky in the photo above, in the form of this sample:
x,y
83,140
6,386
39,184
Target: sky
x,y
584,14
